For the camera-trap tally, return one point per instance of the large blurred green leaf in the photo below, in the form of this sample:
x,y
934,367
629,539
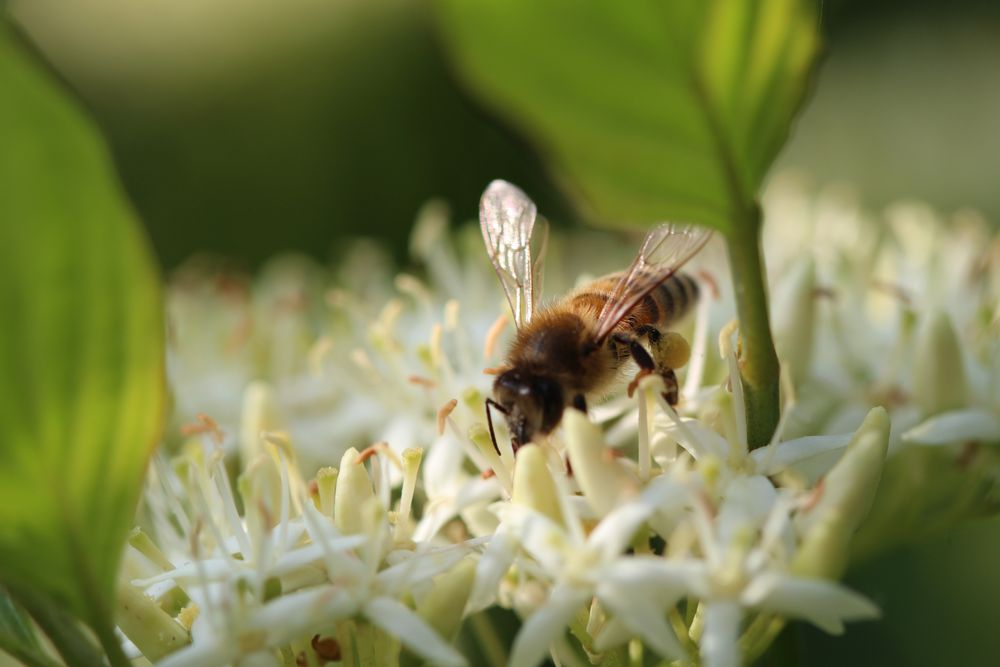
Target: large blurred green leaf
x,y
647,109
81,349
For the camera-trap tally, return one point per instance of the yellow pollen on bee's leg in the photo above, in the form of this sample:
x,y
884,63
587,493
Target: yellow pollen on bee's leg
x,y
673,350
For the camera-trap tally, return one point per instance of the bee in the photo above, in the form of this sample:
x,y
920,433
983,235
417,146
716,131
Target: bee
x,y
574,349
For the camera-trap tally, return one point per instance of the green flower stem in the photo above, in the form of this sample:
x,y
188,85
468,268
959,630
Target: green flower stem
x,y
758,359
149,627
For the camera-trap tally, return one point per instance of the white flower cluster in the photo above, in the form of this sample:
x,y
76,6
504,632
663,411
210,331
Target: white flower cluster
x,y
656,531
901,310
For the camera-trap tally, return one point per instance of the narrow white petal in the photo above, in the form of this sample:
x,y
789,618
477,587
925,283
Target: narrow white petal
x,y
774,458
613,534
543,538
312,553
546,625
747,504
667,580
294,614
699,440
214,569
643,615
495,562
419,567
720,639
824,603
400,621
958,426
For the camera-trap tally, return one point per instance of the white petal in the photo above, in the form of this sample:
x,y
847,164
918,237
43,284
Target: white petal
x,y
643,614
667,580
774,458
546,625
400,621
293,614
613,534
957,426
698,439
215,569
441,465
823,603
543,538
492,566
748,501
719,641
419,567
312,553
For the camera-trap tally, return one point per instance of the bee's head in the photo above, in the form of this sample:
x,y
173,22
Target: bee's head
x,y
531,403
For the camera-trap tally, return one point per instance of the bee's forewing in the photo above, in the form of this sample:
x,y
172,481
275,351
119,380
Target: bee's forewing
x,y
664,251
513,233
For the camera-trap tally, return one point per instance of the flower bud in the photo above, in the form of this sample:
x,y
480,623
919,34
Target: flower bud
x,y
260,488
847,494
939,382
354,489
260,413
601,481
794,313
326,489
533,483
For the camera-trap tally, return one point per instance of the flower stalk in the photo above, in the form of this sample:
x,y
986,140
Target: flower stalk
x,y
759,370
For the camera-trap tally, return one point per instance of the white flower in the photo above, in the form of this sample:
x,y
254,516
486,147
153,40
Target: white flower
x,y
579,568
284,571
679,516
881,288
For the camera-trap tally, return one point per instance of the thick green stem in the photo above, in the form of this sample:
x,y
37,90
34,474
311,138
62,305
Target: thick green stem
x,y
758,360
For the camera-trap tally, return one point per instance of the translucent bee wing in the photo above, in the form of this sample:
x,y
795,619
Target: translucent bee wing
x,y
664,251
513,233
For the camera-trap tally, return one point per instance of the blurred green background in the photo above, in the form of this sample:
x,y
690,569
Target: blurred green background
x,y
248,127
245,127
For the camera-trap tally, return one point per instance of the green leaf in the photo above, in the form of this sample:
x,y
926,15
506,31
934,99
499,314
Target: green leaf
x,y
17,636
646,109
81,350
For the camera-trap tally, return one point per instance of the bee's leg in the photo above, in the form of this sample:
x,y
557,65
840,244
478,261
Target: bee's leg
x,y
669,351
672,393
580,403
637,351
651,333
640,355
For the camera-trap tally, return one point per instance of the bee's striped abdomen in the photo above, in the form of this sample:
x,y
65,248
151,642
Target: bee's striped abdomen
x,y
674,297
667,302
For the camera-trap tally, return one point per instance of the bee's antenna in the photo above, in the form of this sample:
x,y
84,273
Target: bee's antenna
x,y
489,420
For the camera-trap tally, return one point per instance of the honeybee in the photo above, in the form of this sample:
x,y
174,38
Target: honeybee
x,y
573,349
